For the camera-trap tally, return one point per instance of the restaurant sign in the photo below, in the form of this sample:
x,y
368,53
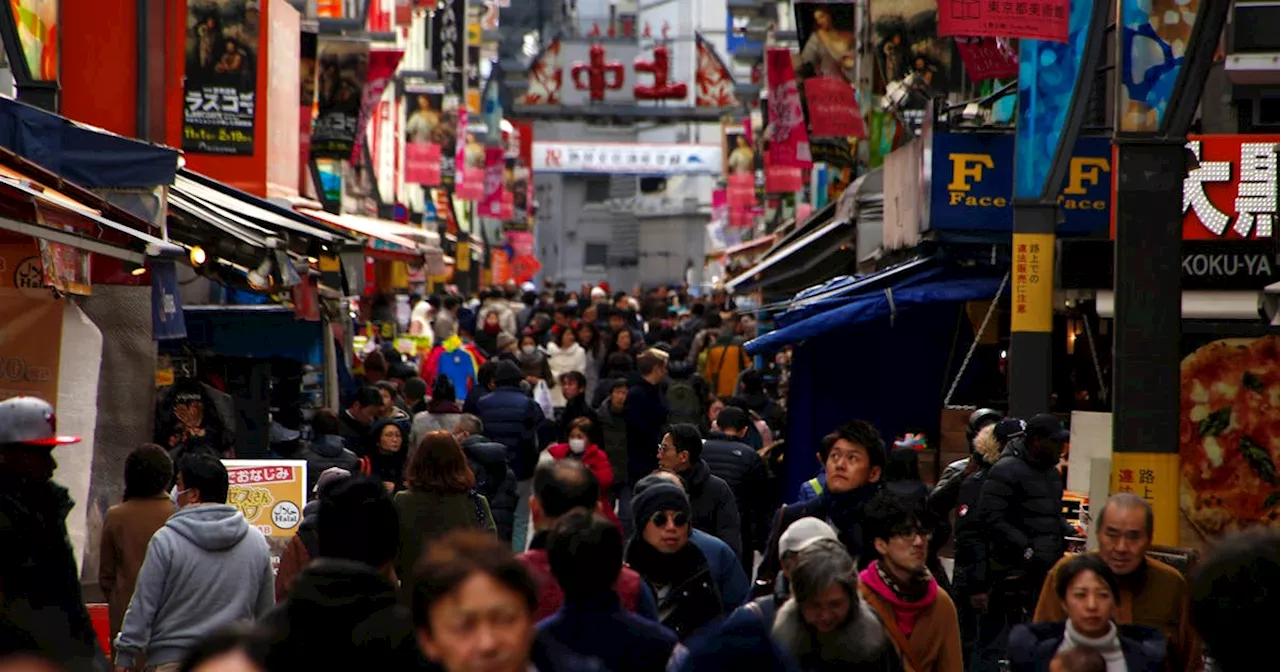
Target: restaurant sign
x,y
1229,191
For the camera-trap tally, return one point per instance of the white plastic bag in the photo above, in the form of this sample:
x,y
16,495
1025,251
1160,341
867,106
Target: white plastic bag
x,y
542,395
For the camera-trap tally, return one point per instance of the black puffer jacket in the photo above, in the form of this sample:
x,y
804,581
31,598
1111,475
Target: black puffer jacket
x,y
714,509
495,480
971,540
748,477
1021,508
513,419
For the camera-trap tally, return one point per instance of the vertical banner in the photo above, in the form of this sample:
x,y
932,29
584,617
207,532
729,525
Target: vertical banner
x,y
30,343
221,82
1153,50
270,493
382,66
448,44
422,164
494,184
789,141
827,65
713,81
167,321
1032,282
469,157
472,63
344,68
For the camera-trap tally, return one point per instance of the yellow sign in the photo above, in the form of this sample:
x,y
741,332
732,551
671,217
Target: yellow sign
x,y
1153,477
1032,283
462,257
270,493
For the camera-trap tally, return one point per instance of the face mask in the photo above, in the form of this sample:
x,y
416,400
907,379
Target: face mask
x,y
174,494
529,349
578,445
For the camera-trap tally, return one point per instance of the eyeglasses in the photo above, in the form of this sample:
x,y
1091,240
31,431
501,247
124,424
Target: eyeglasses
x,y
660,519
910,532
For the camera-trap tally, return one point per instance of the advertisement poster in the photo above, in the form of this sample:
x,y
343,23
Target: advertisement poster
x,y
167,319
739,156
782,179
448,42
270,493
431,119
1042,20
221,82
470,161
826,33
422,163
495,187
382,66
789,140
66,268
1230,188
37,22
344,67
30,345
988,57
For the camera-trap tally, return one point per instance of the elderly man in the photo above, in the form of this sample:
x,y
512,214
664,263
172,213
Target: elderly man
x,y
1151,592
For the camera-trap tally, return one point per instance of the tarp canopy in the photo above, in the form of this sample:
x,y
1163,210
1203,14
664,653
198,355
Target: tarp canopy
x,y
88,156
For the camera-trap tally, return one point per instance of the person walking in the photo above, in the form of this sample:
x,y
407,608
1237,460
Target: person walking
x,y
494,477
579,447
714,509
516,421
646,417
327,449
442,411
747,477
564,356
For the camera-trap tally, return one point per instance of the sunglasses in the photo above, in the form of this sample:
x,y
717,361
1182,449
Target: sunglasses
x,y
660,519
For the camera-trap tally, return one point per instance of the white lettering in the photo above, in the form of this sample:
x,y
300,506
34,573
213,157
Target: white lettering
x,y
1226,265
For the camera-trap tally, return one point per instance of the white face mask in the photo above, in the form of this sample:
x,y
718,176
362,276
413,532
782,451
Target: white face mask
x,y
529,349
174,494
578,445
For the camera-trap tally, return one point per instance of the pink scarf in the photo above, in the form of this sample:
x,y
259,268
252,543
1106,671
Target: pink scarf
x,y
904,612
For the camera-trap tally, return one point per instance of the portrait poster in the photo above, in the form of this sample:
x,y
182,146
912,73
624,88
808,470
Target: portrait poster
x,y
739,155
828,43
221,82
471,158
343,69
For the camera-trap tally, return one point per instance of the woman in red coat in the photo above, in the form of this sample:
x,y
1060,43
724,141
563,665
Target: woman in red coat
x,y
580,447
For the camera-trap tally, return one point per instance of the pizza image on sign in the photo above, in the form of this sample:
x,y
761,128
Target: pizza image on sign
x,y
1229,436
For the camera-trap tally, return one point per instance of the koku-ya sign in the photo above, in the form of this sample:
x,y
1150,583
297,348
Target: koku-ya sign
x,y
972,187
1230,188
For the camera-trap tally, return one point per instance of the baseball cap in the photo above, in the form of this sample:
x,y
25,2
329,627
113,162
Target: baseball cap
x,y
1046,426
30,421
802,533
1009,428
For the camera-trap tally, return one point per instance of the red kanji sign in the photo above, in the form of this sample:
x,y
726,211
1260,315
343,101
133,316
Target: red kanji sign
x,y
1230,187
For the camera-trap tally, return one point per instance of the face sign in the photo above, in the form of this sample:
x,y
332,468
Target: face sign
x,y
849,467
1123,541
904,552
827,610
667,531
483,626
669,457
1089,604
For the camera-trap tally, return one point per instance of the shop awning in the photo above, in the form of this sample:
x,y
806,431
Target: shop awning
x,y
753,245
785,262
948,284
88,156
385,237
245,209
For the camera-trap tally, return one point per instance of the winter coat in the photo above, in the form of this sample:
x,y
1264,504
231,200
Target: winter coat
x,y
426,516
441,415
636,597
714,509
562,361
595,359
929,626
860,645
1033,646
646,413
731,582
495,480
601,628
810,489
41,604
843,512
326,452
515,420
747,476
1021,508
971,575
126,532
613,429
506,316
688,597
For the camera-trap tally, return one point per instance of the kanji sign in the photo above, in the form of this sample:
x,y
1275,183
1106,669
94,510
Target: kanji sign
x,y
626,158
270,493
1153,477
1230,187
1032,282
1024,19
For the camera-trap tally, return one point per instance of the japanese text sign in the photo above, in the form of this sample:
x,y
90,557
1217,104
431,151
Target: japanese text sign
x,y
270,493
1024,19
988,57
833,111
1153,477
1230,187
972,186
1032,283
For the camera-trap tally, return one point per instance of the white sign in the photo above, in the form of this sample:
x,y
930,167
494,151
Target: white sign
x,y
626,159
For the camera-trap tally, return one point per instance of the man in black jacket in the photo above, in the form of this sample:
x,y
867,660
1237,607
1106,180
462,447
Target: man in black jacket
x,y
646,415
713,507
745,472
1020,511
515,420
494,477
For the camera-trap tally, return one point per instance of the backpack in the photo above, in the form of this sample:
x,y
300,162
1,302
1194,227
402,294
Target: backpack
x,y
724,363
683,403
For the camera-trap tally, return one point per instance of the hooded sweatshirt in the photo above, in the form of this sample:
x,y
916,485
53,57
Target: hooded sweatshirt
x,y
205,569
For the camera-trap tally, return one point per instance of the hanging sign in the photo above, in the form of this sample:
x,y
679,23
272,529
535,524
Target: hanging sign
x,y
1046,20
167,321
221,79
1229,191
422,163
344,68
494,186
988,57
833,111
788,140
382,66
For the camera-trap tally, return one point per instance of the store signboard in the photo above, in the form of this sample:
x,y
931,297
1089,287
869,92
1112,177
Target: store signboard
x,y
972,188
1207,265
1229,191
626,158
270,493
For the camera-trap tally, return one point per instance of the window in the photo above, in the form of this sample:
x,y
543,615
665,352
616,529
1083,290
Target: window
x,y
595,254
652,185
597,189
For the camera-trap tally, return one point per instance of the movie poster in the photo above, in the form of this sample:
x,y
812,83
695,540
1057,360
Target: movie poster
x,y
344,67
220,89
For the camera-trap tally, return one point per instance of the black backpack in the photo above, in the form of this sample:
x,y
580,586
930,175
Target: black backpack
x,y
683,403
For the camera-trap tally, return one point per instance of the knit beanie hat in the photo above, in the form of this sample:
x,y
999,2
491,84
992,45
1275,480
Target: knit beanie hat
x,y
659,495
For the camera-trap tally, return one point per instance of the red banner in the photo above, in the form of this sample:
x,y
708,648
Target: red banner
x,y
422,163
988,57
1030,20
742,191
382,67
788,141
833,111
494,186
782,179
499,266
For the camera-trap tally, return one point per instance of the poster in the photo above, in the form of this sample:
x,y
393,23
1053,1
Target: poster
x,y
431,126
906,41
343,69
221,83
1039,20
30,345
739,156
469,158
789,140
382,67
827,40
37,23
66,268
448,41
494,182
422,163
833,110
270,493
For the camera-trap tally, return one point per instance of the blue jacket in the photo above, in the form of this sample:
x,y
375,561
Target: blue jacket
x,y
808,492
726,571
601,628
513,419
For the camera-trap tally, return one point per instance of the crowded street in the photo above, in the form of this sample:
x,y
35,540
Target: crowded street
x,y
639,335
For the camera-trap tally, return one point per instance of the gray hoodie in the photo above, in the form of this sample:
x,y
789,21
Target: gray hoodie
x,y
205,569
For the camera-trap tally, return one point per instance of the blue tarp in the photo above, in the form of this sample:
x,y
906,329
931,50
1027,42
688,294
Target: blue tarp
x,y
90,158
254,332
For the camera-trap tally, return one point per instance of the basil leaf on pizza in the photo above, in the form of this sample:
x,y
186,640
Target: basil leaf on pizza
x,y
1259,459
1216,423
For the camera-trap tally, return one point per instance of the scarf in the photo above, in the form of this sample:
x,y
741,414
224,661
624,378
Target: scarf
x,y
907,601
1108,645
664,569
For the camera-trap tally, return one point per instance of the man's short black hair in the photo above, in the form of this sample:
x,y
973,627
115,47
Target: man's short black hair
x,y
857,432
358,522
618,382
888,515
752,381
732,419
1235,596
585,552
451,302
206,473
575,376
565,485
148,471
568,311
368,396
688,439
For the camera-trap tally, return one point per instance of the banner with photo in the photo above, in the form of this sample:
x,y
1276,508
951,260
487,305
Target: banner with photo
x,y
221,82
470,159
826,64
37,24
382,67
431,126
789,139
495,187
344,69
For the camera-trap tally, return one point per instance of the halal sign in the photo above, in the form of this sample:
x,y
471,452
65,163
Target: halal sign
x,y
1229,191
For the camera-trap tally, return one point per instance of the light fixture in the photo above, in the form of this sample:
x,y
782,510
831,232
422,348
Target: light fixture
x,y
133,268
198,256
141,270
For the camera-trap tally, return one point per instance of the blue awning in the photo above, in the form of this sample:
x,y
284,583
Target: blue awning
x,y
90,157
940,285
841,290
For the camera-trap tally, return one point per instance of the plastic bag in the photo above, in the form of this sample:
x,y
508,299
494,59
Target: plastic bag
x,y
542,395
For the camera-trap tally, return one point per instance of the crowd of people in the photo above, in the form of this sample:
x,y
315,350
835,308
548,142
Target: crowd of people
x,y
604,493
